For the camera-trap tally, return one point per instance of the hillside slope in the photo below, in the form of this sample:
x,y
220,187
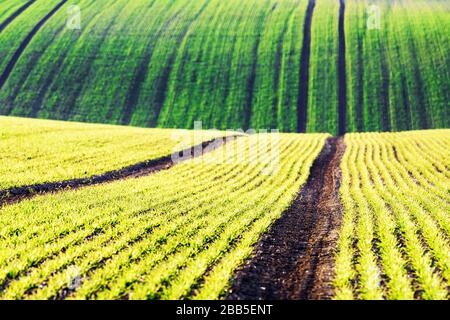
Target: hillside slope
x,y
230,64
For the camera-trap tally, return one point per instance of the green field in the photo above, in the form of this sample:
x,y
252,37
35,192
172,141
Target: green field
x,y
398,75
8,8
229,64
39,151
182,233
175,234
324,172
396,226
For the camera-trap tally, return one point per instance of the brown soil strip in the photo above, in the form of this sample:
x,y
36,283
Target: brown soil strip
x,y
302,106
16,14
295,259
25,43
342,72
144,168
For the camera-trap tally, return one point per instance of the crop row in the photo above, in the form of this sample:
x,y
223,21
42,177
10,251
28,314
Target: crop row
x,y
394,241
41,151
230,64
14,33
322,115
7,9
397,65
175,234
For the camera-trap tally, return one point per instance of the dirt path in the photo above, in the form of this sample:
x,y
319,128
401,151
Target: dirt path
x,y
302,106
25,43
294,260
141,169
16,14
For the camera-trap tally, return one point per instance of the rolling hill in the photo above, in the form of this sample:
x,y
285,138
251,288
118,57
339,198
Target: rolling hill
x,y
121,200
295,65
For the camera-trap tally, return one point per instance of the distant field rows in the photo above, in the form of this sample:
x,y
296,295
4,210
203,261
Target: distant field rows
x,y
394,240
15,32
230,64
176,234
8,8
42,151
398,74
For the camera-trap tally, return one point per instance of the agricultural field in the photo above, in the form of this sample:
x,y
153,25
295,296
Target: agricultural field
x,y
295,65
397,67
187,232
321,169
394,241
7,10
175,234
42,151
322,107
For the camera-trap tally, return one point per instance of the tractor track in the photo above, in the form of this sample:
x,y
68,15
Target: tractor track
x,y
342,72
18,53
17,194
17,13
295,259
302,105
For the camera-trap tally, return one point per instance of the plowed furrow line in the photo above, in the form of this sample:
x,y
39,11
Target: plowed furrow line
x,y
302,107
15,15
25,42
137,170
342,73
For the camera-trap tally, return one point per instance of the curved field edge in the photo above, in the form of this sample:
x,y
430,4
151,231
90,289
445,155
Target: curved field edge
x,y
46,151
177,234
394,241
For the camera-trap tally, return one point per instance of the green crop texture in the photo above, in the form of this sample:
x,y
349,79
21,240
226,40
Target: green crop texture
x,y
162,63
41,151
179,233
231,64
7,8
394,240
12,35
397,64
323,105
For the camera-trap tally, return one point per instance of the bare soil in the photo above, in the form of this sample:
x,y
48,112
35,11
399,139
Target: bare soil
x,y
295,259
